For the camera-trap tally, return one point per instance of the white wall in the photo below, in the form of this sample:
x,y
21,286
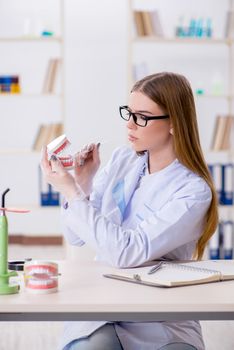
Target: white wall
x,y
96,72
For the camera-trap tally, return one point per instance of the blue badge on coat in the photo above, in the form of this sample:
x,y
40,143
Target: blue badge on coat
x,y
118,195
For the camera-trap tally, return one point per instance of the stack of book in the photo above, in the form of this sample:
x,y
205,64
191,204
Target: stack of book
x,y
46,133
148,23
9,84
222,133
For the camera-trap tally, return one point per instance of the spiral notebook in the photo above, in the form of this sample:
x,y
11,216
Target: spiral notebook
x,y
174,274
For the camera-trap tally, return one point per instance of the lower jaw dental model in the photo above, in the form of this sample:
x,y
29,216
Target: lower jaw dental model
x,y
41,277
58,147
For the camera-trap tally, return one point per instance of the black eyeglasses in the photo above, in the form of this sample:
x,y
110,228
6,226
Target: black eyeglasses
x,y
138,118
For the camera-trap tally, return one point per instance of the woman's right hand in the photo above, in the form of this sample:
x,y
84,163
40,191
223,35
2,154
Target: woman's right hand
x,y
56,175
86,164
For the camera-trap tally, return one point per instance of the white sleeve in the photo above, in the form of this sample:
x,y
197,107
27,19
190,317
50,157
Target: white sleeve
x,y
95,199
178,222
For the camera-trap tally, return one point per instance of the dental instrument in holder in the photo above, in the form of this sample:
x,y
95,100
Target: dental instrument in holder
x,y
58,147
6,287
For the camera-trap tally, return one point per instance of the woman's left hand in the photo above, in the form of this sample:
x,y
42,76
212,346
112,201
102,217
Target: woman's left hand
x,y
58,177
86,162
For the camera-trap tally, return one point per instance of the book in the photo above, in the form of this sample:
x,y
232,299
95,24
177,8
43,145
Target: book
x,y
139,23
228,239
216,173
148,25
51,76
55,130
41,137
226,144
46,133
219,133
156,24
214,245
227,184
229,25
175,274
48,195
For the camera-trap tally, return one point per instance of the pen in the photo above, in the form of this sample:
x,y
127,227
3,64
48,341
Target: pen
x,y
155,268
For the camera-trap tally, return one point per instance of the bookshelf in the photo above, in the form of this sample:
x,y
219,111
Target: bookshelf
x,y
30,36
155,47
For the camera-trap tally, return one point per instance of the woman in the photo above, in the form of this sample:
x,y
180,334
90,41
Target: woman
x,y
154,200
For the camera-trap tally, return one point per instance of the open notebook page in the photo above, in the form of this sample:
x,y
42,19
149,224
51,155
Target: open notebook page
x,y
226,268
174,274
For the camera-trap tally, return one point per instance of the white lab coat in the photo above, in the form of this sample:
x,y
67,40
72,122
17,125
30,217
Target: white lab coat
x,y
131,219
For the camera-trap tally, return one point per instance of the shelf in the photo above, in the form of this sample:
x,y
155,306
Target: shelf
x,y
35,207
221,206
18,151
40,221
220,152
30,39
213,96
182,40
36,95
229,97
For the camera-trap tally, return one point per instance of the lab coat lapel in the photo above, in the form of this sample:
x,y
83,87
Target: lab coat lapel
x,y
124,189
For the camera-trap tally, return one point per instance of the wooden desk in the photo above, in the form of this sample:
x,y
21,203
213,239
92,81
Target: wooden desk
x,y
84,294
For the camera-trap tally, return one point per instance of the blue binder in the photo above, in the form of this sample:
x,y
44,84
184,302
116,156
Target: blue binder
x,y
228,239
216,173
48,196
226,193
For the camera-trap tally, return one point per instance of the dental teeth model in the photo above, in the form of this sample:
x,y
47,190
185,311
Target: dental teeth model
x,y
41,277
57,147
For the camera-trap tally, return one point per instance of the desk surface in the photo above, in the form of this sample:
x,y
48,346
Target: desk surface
x,y
84,294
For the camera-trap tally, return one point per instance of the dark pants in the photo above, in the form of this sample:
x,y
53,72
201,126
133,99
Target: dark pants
x,y
105,338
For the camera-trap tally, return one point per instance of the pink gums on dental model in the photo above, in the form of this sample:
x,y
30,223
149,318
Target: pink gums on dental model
x,y
57,147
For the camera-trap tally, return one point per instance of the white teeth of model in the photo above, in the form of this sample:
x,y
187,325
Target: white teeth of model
x,y
39,270
41,282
